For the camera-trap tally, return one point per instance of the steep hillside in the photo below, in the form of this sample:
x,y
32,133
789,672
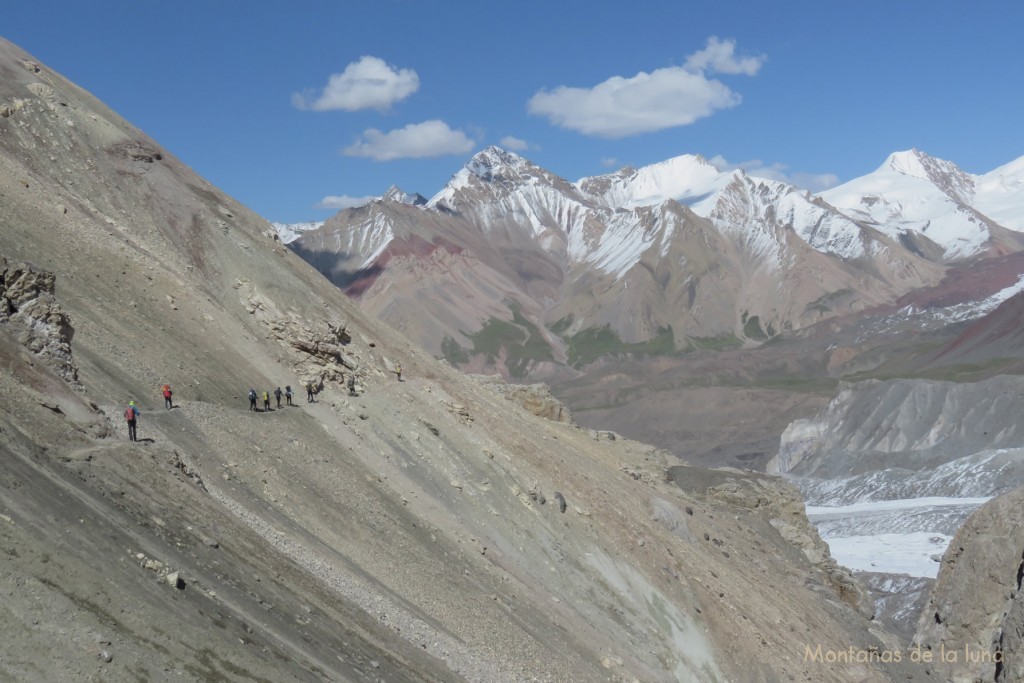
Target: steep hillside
x,y
427,528
974,622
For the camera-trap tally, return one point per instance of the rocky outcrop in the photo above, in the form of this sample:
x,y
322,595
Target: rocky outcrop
x,y
536,398
320,345
779,503
974,621
30,312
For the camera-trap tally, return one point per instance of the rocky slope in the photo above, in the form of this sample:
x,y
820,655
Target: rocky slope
x,y
973,625
425,529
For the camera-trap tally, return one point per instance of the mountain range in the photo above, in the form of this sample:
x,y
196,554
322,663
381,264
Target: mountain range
x,y
510,268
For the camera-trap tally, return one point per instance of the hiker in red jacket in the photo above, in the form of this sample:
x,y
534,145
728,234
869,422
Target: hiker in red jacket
x,y
167,396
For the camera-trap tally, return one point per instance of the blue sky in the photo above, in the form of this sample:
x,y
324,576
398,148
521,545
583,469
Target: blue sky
x,y
297,108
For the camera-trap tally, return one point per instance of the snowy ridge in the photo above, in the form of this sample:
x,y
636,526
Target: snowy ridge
x,y
909,192
624,241
499,188
976,475
999,195
736,202
396,194
912,191
289,232
936,317
826,231
687,179
370,239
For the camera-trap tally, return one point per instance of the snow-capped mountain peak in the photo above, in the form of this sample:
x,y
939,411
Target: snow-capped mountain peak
x,y
915,192
945,175
498,173
396,194
496,163
688,179
908,162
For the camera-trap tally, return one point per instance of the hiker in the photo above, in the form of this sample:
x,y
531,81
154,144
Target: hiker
x,y
167,396
352,384
277,395
252,401
266,402
309,392
131,416
398,372
288,394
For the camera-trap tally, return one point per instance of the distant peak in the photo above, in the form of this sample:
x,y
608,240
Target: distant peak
x,y
945,175
489,162
395,194
911,162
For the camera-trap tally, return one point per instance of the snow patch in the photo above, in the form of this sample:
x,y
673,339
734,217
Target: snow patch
x,y
911,554
289,232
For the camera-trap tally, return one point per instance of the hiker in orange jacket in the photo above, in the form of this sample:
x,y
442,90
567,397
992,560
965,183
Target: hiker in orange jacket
x,y
167,396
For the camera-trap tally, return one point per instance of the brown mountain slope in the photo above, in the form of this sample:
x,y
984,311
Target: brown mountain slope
x,y
415,531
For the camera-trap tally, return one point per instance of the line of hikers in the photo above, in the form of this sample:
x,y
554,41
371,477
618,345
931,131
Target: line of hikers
x,y
132,412
311,393
287,393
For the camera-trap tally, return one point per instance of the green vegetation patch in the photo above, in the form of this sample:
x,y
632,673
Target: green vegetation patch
x,y
719,343
960,372
521,340
752,329
590,344
560,326
452,352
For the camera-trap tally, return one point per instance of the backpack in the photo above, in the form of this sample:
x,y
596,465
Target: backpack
x,y
129,414
167,393
252,394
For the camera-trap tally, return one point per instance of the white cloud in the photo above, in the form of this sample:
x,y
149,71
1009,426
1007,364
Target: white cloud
x,y
514,144
342,202
610,162
648,102
370,83
814,182
720,56
415,141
